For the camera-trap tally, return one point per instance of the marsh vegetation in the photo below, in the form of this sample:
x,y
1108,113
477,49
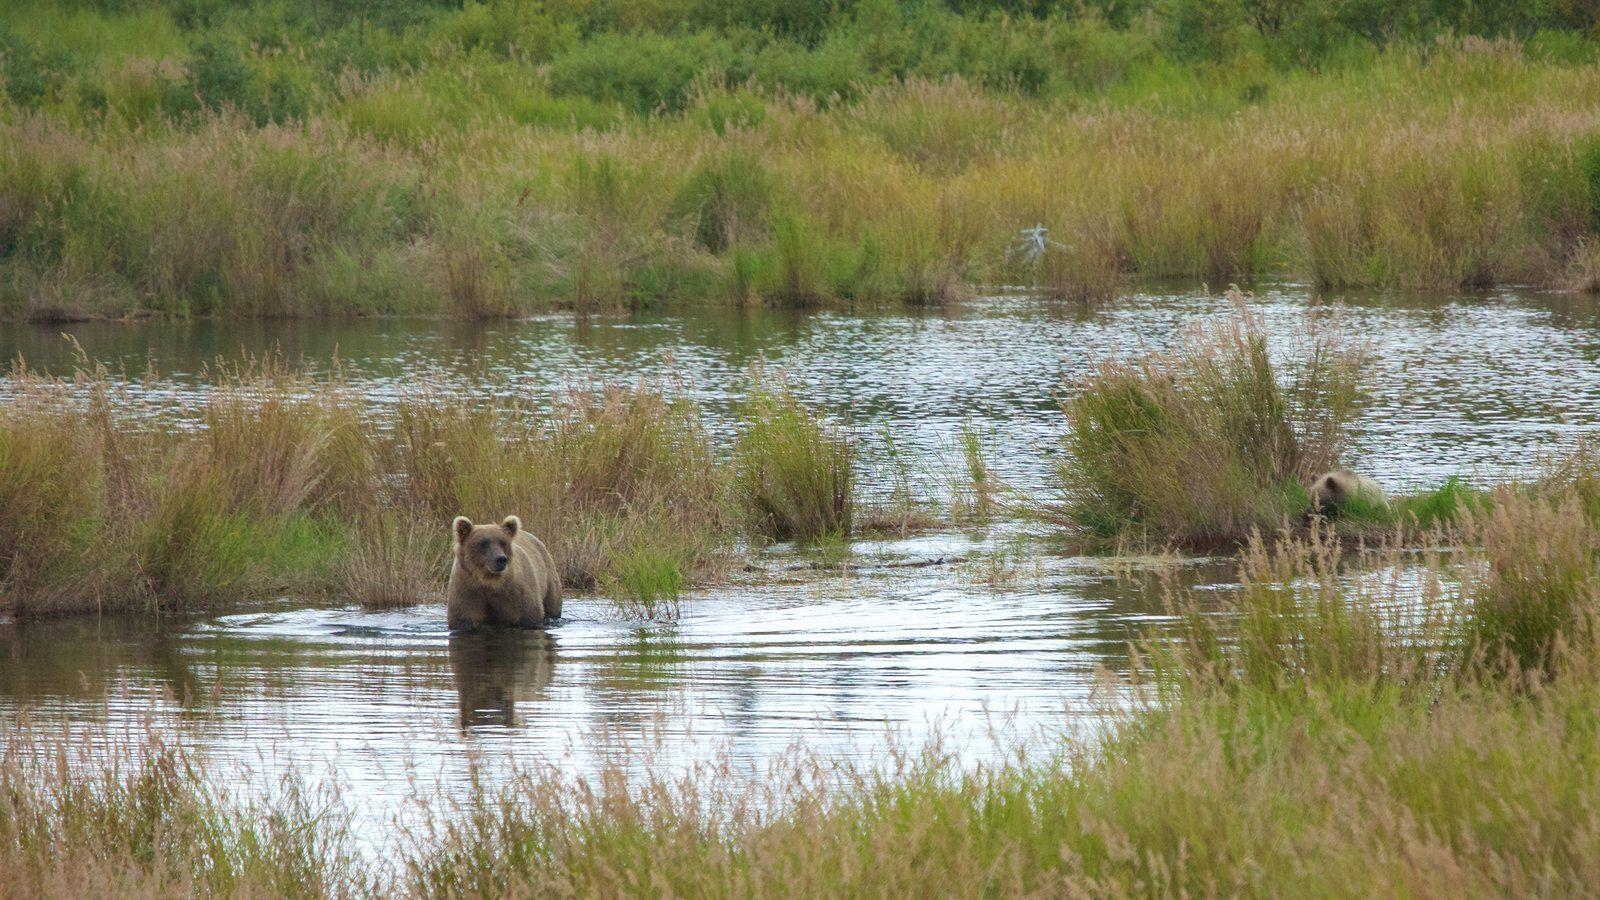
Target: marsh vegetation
x,y
1440,723
495,159
1426,669
277,482
1420,672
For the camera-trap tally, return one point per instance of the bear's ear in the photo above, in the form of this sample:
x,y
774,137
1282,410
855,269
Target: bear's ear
x,y
512,525
463,527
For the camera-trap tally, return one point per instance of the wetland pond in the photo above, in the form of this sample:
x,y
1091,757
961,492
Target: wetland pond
x,y
984,637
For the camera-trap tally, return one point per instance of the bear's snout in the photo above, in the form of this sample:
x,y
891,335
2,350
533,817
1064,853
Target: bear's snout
x,y
499,563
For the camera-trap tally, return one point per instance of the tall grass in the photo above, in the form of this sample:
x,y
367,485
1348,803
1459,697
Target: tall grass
x,y
599,475
473,180
1206,444
394,560
793,470
290,484
1538,596
135,815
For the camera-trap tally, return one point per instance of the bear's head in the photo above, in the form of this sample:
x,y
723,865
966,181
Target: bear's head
x,y
484,551
1329,490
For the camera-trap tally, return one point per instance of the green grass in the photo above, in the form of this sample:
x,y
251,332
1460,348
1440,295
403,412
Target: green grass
x,y
793,470
1439,506
646,582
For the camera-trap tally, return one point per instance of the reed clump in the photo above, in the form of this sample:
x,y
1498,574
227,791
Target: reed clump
x,y
1205,444
1537,597
793,470
599,475
394,559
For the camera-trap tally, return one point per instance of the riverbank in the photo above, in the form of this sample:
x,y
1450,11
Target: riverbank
x,y
197,174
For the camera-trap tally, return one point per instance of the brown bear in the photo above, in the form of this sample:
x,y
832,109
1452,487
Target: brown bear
x,y
501,576
1333,490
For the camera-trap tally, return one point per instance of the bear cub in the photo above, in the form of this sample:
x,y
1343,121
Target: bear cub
x,y
501,576
1332,491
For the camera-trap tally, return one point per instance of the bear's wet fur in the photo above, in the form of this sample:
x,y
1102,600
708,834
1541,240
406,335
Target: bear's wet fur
x,y
1332,491
501,576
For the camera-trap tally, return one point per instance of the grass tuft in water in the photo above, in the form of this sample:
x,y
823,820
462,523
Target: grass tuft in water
x,y
1206,444
793,471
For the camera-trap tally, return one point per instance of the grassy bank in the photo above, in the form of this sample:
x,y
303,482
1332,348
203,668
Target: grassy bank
x,y
245,160
272,482
1344,726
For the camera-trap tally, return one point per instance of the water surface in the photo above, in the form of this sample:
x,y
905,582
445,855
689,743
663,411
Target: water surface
x,y
968,633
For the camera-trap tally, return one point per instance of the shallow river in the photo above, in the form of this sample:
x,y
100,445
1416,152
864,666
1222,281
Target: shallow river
x,y
961,632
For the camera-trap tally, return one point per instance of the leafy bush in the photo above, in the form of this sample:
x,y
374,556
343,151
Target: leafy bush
x,y
727,198
645,72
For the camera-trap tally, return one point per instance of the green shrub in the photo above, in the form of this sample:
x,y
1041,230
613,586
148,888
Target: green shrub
x,y
644,72
727,198
645,580
30,74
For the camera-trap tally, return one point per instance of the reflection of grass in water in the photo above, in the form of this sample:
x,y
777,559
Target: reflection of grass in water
x,y
647,656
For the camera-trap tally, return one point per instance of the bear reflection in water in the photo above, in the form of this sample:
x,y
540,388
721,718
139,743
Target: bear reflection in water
x,y
494,670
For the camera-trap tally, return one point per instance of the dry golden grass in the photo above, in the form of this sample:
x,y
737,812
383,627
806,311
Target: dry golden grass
x,y
291,484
